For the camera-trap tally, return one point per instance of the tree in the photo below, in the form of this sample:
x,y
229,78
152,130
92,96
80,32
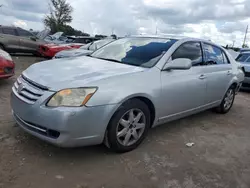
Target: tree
x,y
60,15
68,30
245,46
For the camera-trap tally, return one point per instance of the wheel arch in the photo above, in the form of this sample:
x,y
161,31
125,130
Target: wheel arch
x,y
144,98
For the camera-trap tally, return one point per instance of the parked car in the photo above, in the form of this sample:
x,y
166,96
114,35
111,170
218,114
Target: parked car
x,y
119,92
49,50
7,66
84,50
244,59
17,40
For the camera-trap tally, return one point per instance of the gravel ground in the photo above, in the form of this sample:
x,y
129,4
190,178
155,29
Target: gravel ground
x,y
219,157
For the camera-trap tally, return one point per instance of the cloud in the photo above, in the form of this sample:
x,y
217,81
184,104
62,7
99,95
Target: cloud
x,y
219,20
20,23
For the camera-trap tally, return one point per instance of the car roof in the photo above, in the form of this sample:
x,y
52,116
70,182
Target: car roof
x,y
245,52
176,37
3,26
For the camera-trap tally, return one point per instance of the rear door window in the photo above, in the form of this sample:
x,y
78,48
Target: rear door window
x,y
9,31
213,55
24,33
190,50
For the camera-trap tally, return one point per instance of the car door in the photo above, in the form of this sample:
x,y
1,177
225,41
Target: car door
x,y
217,72
184,90
10,39
28,42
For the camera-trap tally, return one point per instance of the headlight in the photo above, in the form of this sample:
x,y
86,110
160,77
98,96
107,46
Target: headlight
x,y
72,97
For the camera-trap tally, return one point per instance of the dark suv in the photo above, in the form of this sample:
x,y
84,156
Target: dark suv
x,y
15,39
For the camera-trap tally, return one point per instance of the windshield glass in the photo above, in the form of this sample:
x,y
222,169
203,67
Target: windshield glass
x,y
144,52
242,57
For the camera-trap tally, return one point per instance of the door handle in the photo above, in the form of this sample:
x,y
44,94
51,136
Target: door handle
x,y
202,77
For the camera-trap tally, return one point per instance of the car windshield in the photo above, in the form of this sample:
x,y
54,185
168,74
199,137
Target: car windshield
x,y
137,51
242,57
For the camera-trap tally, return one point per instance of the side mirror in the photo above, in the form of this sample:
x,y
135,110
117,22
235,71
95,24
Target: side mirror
x,y
179,64
33,38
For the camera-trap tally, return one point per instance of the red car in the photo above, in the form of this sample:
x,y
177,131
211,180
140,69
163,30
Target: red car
x,y
7,65
49,50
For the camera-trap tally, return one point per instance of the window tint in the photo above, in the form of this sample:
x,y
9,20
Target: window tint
x,y
242,57
137,51
9,31
189,50
24,33
213,55
225,58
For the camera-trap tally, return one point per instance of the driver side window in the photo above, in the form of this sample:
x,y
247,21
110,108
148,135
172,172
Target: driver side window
x,y
190,50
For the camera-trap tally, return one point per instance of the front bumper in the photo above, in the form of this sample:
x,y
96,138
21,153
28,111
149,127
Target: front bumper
x,y
63,126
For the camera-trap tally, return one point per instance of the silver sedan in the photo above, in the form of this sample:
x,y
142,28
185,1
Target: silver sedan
x,y
122,90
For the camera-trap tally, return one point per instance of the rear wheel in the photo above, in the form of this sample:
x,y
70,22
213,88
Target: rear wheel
x,y
227,101
129,126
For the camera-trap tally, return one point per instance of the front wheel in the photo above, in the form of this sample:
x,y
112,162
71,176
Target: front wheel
x,y
227,101
129,126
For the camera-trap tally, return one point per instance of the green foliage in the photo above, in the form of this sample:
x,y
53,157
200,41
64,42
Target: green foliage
x,y
60,15
245,46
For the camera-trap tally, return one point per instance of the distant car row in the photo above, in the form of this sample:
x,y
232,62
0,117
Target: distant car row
x,y
17,40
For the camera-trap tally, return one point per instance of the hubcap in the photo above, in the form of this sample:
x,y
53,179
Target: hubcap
x,y
229,99
131,127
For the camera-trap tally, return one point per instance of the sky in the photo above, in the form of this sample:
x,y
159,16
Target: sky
x,y
222,21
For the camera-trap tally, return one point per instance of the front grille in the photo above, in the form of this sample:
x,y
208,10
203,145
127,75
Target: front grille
x,y
27,90
37,128
8,70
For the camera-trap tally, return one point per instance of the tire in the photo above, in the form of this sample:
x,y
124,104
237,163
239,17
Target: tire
x,y
133,114
223,108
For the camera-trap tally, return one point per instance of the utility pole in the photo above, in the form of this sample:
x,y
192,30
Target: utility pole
x,y
233,43
244,42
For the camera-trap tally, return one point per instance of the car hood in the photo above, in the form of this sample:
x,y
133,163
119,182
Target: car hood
x,y
82,71
73,53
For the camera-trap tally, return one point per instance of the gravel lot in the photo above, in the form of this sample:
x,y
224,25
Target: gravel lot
x,y
219,158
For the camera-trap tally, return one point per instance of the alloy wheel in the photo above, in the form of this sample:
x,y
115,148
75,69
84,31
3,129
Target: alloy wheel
x,y
229,99
130,127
